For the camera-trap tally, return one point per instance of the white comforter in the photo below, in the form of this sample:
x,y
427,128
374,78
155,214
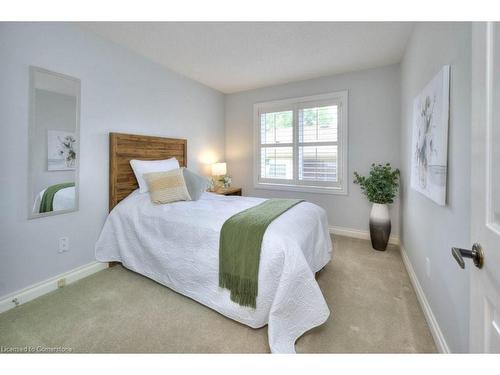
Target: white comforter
x,y
177,245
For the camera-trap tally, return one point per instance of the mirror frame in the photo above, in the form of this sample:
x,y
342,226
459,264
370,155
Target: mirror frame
x,y
31,136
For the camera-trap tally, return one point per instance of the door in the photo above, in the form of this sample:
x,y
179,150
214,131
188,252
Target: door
x,y
485,184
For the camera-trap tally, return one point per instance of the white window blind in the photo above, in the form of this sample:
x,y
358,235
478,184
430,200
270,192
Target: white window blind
x,y
302,143
276,129
318,143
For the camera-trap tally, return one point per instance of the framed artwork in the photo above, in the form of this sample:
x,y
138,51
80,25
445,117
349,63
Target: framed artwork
x,y
61,150
430,138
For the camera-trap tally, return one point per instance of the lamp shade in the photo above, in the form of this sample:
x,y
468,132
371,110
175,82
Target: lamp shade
x,y
219,169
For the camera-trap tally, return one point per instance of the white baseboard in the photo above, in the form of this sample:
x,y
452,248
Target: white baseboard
x,y
358,233
22,296
437,334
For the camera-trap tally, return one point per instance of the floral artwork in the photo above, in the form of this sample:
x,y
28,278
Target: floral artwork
x,y
61,150
430,138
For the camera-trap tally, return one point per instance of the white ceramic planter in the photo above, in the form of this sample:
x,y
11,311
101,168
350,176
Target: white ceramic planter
x,y
380,226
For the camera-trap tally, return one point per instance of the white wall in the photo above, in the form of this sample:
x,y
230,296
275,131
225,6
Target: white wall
x,y
374,134
120,92
428,230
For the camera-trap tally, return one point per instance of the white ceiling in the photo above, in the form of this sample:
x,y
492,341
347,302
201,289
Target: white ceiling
x,y
238,56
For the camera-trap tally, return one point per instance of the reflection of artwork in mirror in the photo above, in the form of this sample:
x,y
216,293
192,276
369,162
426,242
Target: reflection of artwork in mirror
x,y
54,140
61,149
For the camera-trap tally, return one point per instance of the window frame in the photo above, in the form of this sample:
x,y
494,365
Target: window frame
x,y
339,98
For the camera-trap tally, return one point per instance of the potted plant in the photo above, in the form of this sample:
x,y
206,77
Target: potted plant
x,y
380,187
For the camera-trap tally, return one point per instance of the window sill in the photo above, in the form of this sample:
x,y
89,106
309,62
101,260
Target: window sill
x,y
303,189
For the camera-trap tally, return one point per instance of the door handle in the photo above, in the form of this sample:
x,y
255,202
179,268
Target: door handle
x,y
476,254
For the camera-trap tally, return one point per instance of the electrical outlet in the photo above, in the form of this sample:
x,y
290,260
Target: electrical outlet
x,y
63,244
61,283
428,267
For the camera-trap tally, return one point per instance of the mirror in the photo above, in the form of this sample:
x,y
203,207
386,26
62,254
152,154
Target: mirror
x,y
53,143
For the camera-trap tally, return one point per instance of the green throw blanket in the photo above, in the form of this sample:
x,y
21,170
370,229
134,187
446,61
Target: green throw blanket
x,y
239,248
46,204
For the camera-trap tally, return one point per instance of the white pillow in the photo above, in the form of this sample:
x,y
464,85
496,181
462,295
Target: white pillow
x,y
147,166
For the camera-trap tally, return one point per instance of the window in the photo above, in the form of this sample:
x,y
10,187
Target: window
x,y
301,144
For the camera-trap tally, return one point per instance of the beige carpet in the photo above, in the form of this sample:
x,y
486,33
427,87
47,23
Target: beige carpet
x,y
374,309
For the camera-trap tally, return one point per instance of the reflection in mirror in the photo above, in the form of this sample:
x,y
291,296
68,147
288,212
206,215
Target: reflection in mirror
x,y
54,141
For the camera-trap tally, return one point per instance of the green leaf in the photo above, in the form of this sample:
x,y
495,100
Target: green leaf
x,y
381,186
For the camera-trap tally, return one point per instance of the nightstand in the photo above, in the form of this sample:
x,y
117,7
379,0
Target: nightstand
x,y
228,191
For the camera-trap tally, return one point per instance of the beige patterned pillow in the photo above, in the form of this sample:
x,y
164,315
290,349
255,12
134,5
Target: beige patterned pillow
x,y
167,187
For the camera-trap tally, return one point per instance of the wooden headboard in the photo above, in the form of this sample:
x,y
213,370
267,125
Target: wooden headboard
x,y
124,147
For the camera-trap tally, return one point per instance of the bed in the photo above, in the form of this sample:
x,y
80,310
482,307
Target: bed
x,y
177,245
64,199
